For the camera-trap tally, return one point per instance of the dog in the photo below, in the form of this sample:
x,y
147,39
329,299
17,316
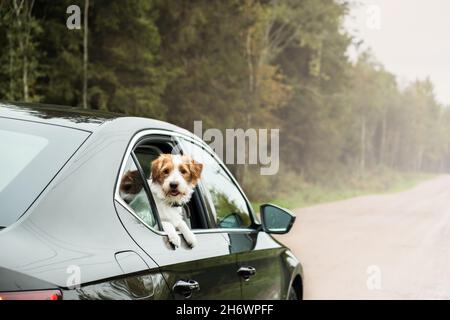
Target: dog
x,y
172,182
130,185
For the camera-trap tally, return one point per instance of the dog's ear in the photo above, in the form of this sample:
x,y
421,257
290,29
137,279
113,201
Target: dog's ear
x,y
156,168
196,171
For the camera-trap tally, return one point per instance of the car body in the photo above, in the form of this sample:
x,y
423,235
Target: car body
x,y
67,233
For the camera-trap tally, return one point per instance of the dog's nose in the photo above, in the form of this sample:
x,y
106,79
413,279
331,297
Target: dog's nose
x,y
173,185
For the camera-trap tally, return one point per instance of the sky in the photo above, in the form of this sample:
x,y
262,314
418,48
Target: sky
x,y
411,38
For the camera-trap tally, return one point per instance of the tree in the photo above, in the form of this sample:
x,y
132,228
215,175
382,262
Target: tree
x,y
61,60
85,53
20,31
126,73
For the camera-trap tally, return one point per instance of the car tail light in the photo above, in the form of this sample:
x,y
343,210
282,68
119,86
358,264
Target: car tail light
x,y
32,295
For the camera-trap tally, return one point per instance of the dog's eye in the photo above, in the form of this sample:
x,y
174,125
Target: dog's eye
x,y
183,171
166,171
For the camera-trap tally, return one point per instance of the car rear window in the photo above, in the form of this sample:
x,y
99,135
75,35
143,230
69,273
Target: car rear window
x,y
31,154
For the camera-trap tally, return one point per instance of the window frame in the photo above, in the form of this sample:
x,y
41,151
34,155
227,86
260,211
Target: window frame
x,y
173,143
132,157
175,136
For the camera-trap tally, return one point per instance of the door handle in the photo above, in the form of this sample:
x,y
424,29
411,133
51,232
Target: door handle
x,y
246,272
186,288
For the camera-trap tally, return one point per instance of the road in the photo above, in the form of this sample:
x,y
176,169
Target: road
x,y
392,246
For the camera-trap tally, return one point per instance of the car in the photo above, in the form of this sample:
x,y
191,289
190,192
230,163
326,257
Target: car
x,y
66,232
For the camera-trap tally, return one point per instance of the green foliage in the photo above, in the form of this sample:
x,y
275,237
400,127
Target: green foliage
x,y
126,74
232,64
296,192
61,54
203,44
19,59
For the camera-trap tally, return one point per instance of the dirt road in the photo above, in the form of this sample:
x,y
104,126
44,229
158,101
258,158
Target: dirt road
x,y
394,246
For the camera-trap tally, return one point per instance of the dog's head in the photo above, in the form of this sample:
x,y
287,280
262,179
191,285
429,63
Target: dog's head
x,y
174,177
130,185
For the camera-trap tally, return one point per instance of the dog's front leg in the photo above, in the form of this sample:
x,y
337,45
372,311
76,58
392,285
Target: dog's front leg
x,y
172,234
188,235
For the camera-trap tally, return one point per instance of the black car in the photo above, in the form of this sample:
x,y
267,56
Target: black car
x,y
66,233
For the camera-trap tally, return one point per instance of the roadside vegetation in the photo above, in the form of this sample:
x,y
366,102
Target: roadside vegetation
x,y
306,194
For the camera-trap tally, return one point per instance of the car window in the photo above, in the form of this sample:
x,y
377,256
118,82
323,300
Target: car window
x,y
229,205
148,150
31,155
145,155
132,191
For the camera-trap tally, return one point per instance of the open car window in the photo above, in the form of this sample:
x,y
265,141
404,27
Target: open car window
x,y
145,154
147,151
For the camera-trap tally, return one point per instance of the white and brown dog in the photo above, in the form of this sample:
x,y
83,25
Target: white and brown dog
x,y
172,182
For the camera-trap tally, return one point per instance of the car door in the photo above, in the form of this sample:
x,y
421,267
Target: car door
x,y
260,266
258,255
207,271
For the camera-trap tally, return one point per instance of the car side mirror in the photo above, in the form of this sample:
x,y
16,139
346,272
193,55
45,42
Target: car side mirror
x,y
276,220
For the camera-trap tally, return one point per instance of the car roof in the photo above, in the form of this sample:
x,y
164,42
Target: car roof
x,y
77,118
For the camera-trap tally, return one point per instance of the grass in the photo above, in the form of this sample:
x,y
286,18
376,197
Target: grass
x,y
307,194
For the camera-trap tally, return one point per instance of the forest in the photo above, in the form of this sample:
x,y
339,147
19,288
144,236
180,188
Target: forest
x,y
233,64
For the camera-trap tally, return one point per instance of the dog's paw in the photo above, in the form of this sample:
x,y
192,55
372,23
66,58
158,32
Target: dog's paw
x,y
175,240
191,240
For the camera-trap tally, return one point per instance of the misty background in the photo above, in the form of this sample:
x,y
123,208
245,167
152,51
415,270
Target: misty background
x,y
357,88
